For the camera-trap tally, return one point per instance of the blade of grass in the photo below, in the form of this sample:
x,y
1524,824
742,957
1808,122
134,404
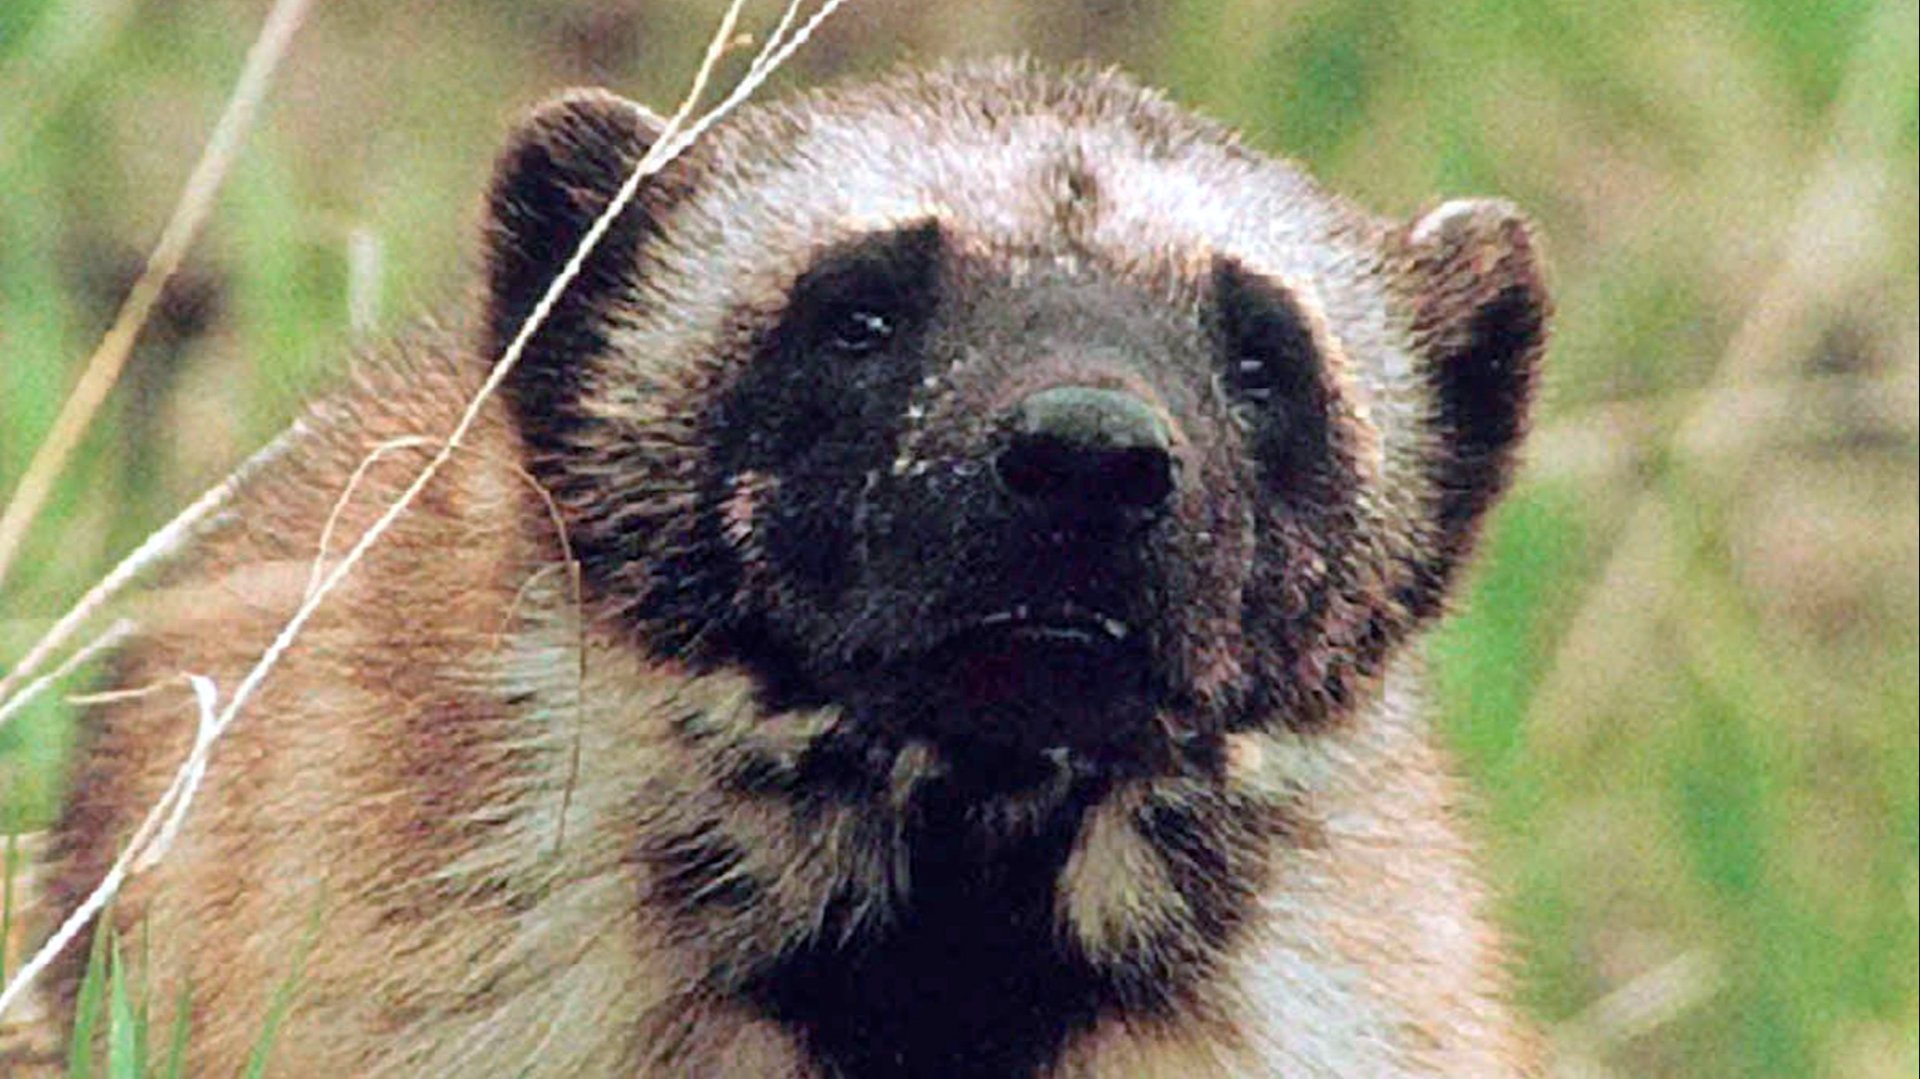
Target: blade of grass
x,y
1632,589
159,821
143,995
115,633
283,998
124,1056
103,368
155,831
6,900
177,1037
166,541
86,1009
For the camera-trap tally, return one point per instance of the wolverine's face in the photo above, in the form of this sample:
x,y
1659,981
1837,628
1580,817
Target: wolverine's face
x,y
1023,451
1015,503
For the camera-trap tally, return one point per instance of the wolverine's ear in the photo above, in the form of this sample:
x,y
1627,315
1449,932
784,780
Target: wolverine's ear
x,y
1473,278
560,169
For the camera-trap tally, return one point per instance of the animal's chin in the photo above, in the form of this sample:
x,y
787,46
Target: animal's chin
x,y
1029,681
1020,662
1013,691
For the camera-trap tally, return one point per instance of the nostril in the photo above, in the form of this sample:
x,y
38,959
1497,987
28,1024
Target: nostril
x,y
1139,477
1041,468
1036,467
1088,447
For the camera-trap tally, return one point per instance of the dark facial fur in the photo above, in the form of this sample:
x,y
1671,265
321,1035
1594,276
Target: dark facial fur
x,y
1042,435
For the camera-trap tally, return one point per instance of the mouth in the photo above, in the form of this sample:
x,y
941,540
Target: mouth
x,y
1038,677
1065,624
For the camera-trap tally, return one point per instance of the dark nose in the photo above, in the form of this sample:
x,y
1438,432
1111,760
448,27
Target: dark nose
x,y
1089,449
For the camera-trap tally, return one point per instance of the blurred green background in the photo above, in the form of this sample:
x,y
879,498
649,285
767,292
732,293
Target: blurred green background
x,y
1684,684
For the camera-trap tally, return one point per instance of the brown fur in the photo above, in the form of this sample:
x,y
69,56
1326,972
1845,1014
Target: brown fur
x,y
520,843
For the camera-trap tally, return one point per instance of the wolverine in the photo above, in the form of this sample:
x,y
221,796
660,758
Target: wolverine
x,y
939,595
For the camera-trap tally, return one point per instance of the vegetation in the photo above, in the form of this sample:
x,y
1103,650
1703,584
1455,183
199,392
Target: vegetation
x,y
1687,682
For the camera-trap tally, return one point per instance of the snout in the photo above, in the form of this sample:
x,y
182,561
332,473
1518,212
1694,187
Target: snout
x,y
1083,451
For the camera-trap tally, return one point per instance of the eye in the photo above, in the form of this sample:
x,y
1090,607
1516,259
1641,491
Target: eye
x,y
1254,377
857,331
1268,355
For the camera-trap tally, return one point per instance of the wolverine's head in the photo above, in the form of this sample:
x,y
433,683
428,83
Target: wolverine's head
x,y
1017,418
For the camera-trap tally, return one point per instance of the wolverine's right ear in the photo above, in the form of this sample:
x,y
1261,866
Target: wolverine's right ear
x,y
1475,285
560,169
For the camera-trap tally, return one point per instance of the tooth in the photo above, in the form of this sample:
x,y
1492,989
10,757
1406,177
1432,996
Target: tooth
x,y
1115,628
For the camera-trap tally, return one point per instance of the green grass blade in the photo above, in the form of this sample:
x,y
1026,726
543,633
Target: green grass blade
x,y
143,999
11,860
125,1060
86,1010
283,998
177,1038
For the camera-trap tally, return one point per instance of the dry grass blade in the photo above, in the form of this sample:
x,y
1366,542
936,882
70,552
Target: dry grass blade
x,y
345,498
1614,439
148,842
1632,589
156,548
164,815
206,698
1641,1005
114,635
183,225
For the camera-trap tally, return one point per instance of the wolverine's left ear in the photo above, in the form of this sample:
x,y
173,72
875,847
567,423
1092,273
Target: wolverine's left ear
x,y
1472,278
561,167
